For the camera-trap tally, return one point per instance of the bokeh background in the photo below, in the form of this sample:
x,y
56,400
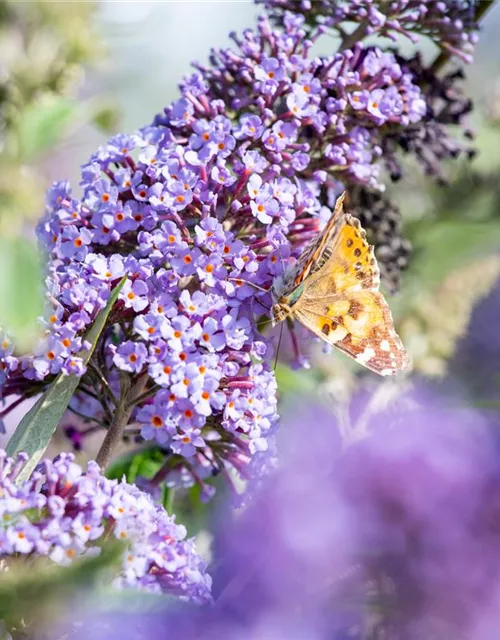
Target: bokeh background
x,y
72,73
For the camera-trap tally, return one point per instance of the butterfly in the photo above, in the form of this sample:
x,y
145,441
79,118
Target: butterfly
x,y
333,290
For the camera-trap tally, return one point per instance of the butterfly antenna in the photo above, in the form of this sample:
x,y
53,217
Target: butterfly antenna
x,y
252,284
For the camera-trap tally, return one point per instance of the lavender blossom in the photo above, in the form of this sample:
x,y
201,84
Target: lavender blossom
x,y
200,211
451,24
396,537
63,513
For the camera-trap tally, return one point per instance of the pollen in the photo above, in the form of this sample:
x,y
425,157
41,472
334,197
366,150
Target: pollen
x,y
151,330
66,342
130,295
205,395
172,397
21,535
52,320
5,344
142,193
180,198
87,527
51,355
70,553
171,238
108,274
120,217
188,259
167,369
206,337
157,422
206,136
185,382
226,249
202,369
78,242
209,268
188,413
123,534
177,334
186,439
182,356
132,357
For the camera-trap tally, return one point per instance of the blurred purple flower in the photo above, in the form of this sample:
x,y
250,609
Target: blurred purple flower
x,y
399,535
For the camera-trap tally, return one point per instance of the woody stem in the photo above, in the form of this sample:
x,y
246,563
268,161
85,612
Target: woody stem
x,y
128,399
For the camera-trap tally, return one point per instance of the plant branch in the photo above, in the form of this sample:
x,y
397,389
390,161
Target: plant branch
x,y
128,399
358,34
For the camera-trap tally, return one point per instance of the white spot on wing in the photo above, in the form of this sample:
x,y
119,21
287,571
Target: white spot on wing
x,y
365,355
385,346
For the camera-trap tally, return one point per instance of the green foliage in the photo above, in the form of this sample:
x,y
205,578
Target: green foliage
x,y
20,290
43,123
34,594
144,462
37,427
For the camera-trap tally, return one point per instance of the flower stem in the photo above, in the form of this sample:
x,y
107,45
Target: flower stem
x,y
358,34
128,399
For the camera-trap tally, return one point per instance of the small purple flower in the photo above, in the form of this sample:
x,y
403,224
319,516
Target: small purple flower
x,y
130,356
135,294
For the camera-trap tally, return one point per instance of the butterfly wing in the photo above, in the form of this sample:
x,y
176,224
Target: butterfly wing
x,y
359,324
316,252
342,305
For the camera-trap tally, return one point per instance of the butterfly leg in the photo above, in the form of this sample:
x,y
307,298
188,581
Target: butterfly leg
x,y
300,361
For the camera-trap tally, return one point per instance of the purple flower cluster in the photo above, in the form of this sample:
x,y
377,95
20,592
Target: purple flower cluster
x,y
320,118
451,24
64,513
197,212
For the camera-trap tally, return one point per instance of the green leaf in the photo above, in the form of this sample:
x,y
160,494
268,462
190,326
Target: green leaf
x,y
35,593
20,292
145,462
37,427
44,123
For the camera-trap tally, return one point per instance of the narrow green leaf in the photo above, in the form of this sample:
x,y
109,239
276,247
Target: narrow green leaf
x,y
35,430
